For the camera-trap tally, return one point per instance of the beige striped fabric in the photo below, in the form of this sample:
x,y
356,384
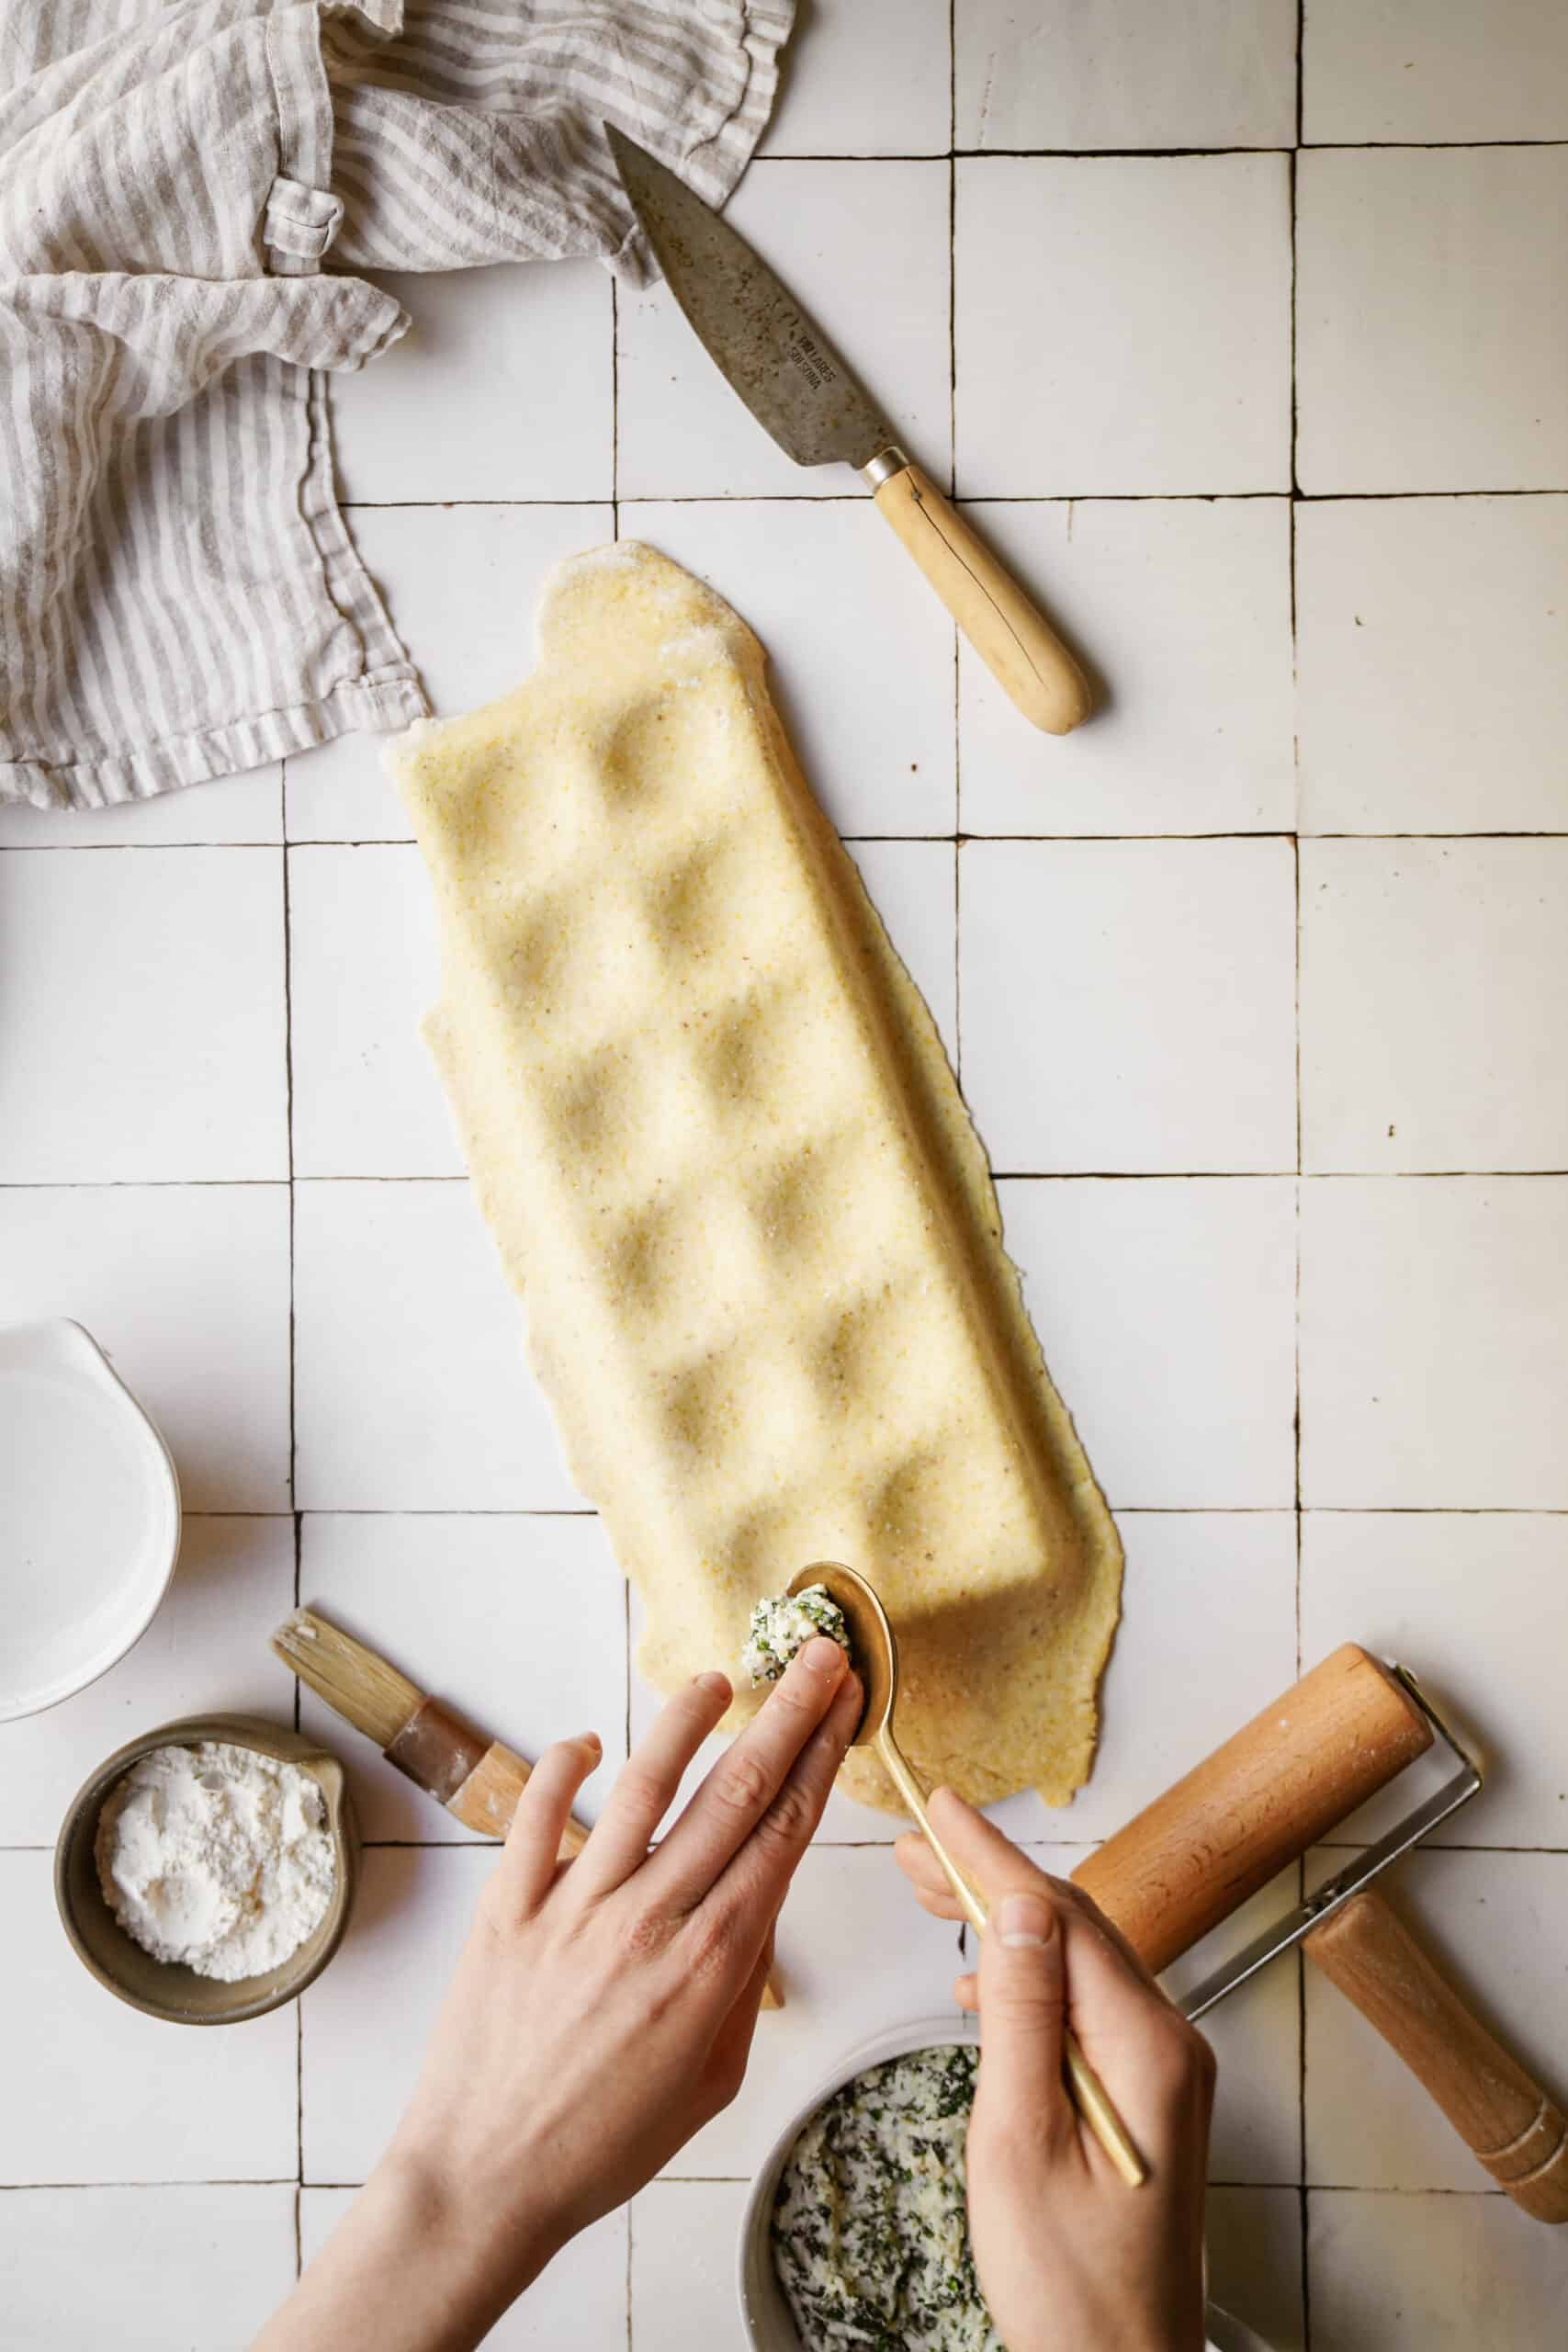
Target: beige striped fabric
x,y
186,188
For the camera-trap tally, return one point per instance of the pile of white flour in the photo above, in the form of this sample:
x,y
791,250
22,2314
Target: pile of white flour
x,y
216,1856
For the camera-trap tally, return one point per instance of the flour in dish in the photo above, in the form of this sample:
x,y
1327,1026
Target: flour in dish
x,y
870,2227
217,1856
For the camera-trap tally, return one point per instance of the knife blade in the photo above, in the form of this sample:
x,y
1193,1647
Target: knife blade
x,y
807,398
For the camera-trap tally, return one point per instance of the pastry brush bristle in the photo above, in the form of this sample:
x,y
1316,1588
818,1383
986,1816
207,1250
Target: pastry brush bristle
x,y
356,1684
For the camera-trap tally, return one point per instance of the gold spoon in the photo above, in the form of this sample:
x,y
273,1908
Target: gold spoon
x,y
874,1652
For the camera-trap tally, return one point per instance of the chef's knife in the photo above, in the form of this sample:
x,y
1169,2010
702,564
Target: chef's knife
x,y
798,388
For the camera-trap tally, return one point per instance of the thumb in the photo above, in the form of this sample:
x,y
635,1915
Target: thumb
x,y
1023,1995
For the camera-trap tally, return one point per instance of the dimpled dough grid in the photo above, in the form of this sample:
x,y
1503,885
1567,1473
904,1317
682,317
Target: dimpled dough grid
x,y
716,1138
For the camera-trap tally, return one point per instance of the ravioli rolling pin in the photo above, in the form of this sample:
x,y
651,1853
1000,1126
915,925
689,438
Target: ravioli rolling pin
x,y
476,1780
1279,1786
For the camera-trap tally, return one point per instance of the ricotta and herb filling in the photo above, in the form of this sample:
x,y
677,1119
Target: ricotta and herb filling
x,y
780,1627
870,2228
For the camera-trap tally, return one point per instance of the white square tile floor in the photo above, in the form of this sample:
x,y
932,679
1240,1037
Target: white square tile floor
x,y
410,1382
1432,652
1179,265
1433,1351
1078,238
1169,971
1434,991
362,973
147,1017
1116,73
1430,2273
1432,319
1422,72
864,77
517,360
1168,1310
1180,609
143,2268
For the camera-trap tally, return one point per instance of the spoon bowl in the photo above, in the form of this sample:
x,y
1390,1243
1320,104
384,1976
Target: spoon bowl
x,y
873,1653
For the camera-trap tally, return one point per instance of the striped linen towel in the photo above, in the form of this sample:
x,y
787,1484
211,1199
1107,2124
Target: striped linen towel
x,y
186,189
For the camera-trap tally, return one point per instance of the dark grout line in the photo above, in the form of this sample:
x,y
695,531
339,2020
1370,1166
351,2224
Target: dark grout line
x,y
1122,1510
963,498
293,1482
1151,155
998,1175
963,837
458,1845
227,2180
615,411
1250,1175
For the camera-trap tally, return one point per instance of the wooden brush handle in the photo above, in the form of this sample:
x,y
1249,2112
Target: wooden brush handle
x,y
488,1799
1203,1847
1516,2129
1014,640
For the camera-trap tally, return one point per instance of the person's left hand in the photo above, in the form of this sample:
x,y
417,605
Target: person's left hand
x,y
602,2012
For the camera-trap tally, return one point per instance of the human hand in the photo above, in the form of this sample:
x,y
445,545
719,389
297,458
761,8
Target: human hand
x,y
1068,2255
601,2012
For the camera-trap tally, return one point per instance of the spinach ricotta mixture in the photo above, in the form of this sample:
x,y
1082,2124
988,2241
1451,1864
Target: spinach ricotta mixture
x,y
780,1627
870,2230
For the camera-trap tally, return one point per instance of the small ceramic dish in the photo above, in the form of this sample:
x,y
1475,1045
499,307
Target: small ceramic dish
x,y
89,1515
167,1988
765,2314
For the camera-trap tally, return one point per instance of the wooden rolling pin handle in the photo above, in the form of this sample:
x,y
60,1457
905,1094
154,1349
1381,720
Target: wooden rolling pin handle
x,y
488,1799
1517,2131
1203,1847
1016,642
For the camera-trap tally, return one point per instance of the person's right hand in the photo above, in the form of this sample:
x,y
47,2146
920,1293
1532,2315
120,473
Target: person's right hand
x,y
1068,2255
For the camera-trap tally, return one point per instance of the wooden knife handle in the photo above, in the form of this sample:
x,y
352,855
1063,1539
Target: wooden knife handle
x,y
1203,1848
488,1799
1016,643
1516,2129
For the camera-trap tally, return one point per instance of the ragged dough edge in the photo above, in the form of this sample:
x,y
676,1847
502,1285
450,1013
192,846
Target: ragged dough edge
x,y
705,629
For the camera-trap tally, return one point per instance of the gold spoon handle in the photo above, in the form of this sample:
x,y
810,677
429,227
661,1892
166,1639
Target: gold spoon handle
x,y
1093,2100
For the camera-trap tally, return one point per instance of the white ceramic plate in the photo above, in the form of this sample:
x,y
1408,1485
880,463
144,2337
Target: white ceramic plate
x,y
89,1515
765,2314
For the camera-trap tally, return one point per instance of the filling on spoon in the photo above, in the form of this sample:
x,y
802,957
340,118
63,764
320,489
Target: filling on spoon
x,y
779,1628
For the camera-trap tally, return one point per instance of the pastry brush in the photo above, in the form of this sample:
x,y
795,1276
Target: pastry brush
x,y
475,1779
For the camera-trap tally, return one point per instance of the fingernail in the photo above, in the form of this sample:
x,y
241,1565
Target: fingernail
x,y
822,1655
591,1739
1024,1923
717,1683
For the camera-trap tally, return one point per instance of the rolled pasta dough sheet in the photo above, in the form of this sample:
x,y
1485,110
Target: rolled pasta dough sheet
x,y
716,1138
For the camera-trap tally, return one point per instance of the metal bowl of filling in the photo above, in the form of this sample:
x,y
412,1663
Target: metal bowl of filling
x,y
899,2099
